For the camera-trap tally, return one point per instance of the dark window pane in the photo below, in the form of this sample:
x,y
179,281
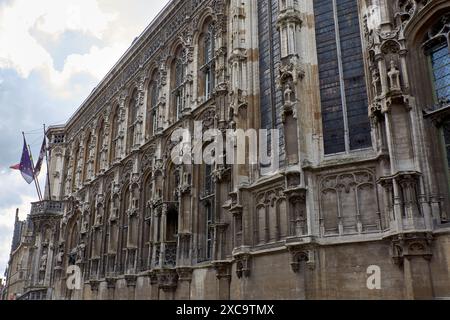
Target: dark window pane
x,y
353,69
440,59
271,101
332,116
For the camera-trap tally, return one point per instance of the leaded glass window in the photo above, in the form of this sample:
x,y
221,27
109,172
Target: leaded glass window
x,y
440,62
346,126
152,109
207,60
178,85
271,99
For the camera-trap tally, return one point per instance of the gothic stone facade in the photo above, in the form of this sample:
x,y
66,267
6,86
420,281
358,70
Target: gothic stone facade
x,y
17,271
359,90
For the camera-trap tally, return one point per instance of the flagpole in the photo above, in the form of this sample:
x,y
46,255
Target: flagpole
x,y
48,167
38,188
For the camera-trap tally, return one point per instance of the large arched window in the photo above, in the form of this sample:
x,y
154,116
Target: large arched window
x,y
152,106
66,181
343,90
72,239
100,145
440,63
207,208
146,225
115,129
206,61
75,176
124,225
106,235
86,158
174,181
437,48
178,85
132,119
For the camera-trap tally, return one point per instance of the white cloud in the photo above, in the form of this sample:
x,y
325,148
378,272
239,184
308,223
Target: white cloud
x,y
19,195
21,51
96,63
79,15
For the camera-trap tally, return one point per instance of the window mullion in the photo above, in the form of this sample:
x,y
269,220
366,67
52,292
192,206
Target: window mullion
x,y
341,78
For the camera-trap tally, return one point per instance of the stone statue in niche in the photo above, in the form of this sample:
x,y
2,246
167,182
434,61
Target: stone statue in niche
x,y
99,216
114,210
299,218
80,252
288,95
43,261
85,227
103,160
375,81
394,77
60,257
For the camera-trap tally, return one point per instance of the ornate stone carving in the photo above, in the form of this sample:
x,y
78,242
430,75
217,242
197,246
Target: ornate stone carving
x,y
185,274
243,265
357,190
131,279
111,282
167,279
409,245
302,255
223,269
94,285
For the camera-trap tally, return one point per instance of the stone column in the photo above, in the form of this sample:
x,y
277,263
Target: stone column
x,y
131,285
154,291
412,252
223,274
184,285
111,286
168,283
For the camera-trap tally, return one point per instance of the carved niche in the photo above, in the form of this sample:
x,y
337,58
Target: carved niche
x,y
348,203
271,221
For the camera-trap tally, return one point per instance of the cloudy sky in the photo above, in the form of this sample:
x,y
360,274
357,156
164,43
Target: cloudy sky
x,y
52,54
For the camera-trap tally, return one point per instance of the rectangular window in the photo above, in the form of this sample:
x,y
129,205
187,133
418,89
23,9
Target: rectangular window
x,y
346,126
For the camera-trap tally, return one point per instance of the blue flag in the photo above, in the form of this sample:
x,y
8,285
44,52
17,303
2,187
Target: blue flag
x,y
26,166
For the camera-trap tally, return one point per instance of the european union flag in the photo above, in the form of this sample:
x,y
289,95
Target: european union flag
x,y
26,165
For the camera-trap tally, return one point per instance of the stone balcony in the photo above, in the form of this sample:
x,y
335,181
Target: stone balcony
x,y
47,207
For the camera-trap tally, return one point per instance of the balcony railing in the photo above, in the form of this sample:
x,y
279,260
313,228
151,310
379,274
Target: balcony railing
x,y
47,207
